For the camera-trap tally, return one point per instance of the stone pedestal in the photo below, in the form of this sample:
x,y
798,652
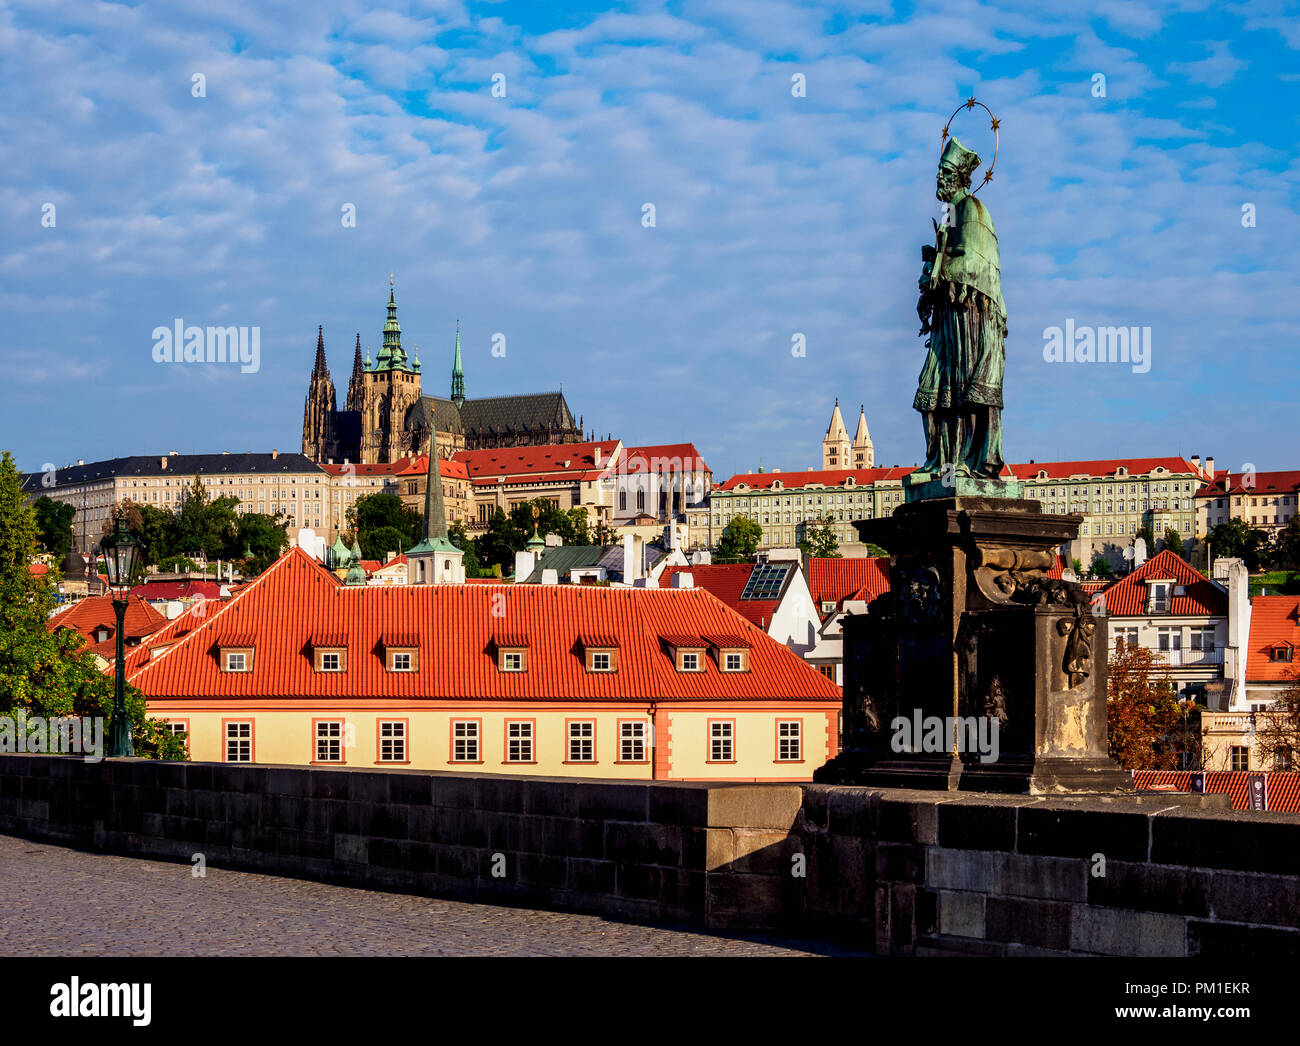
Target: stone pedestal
x,y
974,632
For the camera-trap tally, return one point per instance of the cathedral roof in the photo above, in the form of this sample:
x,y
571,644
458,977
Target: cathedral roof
x,y
446,417
531,412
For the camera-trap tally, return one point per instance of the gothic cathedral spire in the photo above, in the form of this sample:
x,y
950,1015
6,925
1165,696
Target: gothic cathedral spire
x,y
457,375
356,385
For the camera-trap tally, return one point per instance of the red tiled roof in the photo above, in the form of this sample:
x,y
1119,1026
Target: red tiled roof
x,y
727,582
1274,620
296,598
1261,483
356,468
37,569
184,589
94,612
177,628
530,464
1127,597
832,580
1101,467
668,457
448,468
825,478
1281,790
371,565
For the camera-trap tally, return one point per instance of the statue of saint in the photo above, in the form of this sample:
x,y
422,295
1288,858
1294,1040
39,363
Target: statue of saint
x,y
959,393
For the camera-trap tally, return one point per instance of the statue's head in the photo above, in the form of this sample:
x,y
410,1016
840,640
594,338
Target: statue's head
x,y
955,168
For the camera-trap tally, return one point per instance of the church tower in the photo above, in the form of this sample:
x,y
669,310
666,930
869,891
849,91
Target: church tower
x,y
864,451
391,386
457,375
357,384
318,437
835,446
435,560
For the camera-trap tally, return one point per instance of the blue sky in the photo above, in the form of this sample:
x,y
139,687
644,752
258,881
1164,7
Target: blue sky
x,y
775,215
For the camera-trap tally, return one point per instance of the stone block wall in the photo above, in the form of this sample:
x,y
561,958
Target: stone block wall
x,y
925,873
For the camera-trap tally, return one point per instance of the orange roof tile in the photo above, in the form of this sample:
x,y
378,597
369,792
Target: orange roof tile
x,y
667,457
825,478
297,598
448,468
94,612
832,580
727,581
1101,467
1127,597
1259,483
1274,621
530,464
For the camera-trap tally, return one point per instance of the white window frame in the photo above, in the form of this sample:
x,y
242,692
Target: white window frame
x,y
789,741
329,741
632,739
580,742
392,741
466,741
722,739
231,656
520,741
240,734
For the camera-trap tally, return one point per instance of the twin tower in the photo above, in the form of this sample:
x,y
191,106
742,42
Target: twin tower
x,y
839,452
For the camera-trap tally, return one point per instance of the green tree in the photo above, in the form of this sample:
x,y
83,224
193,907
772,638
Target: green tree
x,y
1286,548
499,543
1146,534
820,542
50,673
1173,540
1237,539
205,526
457,536
739,540
1077,566
1101,567
54,525
373,518
156,533
265,539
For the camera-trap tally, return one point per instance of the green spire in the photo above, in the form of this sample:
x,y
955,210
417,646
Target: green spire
x,y
457,375
435,511
336,556
392,356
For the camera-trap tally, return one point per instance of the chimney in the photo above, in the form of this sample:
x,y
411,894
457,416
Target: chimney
x,y
391,556
1196,464
162,463
1209,467
550,576
597,456
683,579
81,461
811,469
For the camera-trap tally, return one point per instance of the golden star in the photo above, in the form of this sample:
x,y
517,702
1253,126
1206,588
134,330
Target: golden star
x,y
988,176
970,102
944,136
996,123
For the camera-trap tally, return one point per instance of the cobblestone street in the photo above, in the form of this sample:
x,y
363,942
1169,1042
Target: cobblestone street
x,y
64,902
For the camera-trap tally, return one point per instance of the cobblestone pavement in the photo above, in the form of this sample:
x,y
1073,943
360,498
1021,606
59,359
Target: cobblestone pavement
x,y
65,902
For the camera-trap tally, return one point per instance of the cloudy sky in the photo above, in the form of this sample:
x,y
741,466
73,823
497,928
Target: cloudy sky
x,y
1133,139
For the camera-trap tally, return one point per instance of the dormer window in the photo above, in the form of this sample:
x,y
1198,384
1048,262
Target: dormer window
x,y
329,653
401,653
235,653
1281,653
688,661
1159,594
330,661
600,661
730,652
512,652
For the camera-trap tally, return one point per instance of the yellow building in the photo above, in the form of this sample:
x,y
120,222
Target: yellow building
x,y
548,680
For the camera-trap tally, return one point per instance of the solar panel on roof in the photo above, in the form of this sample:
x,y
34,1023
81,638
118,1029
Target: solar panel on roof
x,y
766,581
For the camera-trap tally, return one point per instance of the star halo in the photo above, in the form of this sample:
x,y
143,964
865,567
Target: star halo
x,y
994,124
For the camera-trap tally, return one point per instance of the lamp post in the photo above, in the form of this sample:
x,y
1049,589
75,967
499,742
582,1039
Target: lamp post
x,y
120,552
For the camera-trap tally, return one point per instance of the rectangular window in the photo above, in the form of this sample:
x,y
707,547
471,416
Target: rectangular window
x,y
464,741
1282,761
329,741
519,742
690,661
329,662
401,662
631,742
582,741
236,662
721,741
1240,757
734,662
512,661
392,740
239,742
789,741
600,662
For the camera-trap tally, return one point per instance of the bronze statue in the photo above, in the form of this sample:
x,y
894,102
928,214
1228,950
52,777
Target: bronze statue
x,y
959,393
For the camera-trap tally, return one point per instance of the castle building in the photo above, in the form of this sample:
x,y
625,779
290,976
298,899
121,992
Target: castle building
x,y
839,452
387,415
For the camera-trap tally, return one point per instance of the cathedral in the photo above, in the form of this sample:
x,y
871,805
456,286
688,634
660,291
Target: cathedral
x,y
386,417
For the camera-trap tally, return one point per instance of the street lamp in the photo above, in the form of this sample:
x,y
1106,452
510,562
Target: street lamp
x,y
120,553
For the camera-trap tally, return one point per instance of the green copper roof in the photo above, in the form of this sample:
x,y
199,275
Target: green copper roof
x,y
435,511
356,576
337,555
392,356
457,375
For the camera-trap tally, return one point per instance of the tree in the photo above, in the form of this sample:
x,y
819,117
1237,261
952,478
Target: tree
x,y
1286,547
206,526
54,525
46,673
265,539
1237,539
1148,535
457,536
1143,714
499,543
1077,566
157,533
739,540
1101,566
373,519
1278,735
1173,540
820,541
